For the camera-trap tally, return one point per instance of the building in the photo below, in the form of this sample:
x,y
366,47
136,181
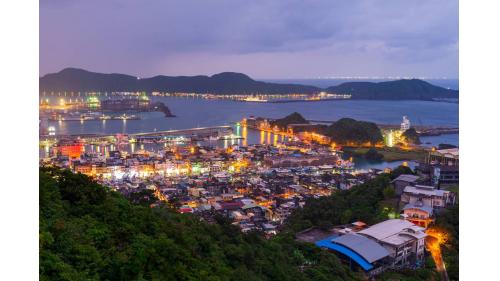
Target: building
x,y
418,214
441,167
299,160
421,201
139,103
445,157
404,241
405,125
427,196
394,244
403,181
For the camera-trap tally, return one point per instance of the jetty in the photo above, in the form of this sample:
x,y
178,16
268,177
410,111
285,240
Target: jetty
x,y
198,133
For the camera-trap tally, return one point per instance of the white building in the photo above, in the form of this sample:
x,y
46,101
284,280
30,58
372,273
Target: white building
x,y
405,125
404,241
427,196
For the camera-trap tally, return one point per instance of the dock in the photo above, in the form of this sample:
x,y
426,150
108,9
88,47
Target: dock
x,y
201,132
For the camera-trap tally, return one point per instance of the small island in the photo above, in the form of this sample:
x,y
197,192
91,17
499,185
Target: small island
x,y
161,107
355,138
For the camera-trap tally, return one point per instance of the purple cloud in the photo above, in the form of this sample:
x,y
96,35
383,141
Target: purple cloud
x,y
265,39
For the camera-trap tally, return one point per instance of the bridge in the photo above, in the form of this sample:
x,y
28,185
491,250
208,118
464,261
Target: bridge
x,y
192,132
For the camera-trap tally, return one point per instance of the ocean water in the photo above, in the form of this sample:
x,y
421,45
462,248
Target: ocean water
x,y
195,112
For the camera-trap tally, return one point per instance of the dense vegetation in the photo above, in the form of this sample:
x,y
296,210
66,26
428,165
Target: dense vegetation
x,y
347,130
294,118
79,80
362,202
389,153
368,202
411,136
401,170
405,89
447,220
88,232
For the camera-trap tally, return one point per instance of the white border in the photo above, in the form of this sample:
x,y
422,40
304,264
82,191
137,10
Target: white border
x,y
479,137
19,140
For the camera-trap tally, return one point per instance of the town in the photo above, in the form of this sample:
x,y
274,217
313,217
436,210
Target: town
x,y
258,186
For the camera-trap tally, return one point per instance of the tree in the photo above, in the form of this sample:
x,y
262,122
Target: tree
x,y
347,130
389,192
448,222
401,170
373,154
346,216
93,233
411,136
361,202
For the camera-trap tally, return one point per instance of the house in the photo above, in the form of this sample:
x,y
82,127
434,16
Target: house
x,y
403,181
442,167
418,214
421,201
448,157
427,196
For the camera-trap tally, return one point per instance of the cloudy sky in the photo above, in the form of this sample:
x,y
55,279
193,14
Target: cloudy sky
x,y
262,38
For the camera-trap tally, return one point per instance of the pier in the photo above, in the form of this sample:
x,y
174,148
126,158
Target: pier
x,y
193,132
201,132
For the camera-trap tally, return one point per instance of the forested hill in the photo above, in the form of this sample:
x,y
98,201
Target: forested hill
x,y
405,89
90,233
79,80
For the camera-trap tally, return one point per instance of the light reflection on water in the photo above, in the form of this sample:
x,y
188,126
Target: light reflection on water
x,y
203,113
250,137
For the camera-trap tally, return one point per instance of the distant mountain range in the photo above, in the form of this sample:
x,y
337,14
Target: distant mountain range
x,y
404,89
79,80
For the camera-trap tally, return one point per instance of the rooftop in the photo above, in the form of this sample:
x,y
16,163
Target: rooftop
x,y
327,243
393,231
406,177
424,190
424,208
370,250
451,152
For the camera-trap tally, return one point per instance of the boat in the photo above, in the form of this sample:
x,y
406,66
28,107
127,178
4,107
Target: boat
x,y
254,99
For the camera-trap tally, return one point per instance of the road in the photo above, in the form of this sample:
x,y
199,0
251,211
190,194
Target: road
x,y
433,242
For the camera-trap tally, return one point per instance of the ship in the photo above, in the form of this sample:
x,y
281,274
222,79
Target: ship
x,y
254,99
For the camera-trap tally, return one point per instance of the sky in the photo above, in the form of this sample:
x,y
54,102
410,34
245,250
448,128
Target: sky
x,y
261,38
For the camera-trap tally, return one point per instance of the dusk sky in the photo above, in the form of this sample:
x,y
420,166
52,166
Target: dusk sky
x,y
264,39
